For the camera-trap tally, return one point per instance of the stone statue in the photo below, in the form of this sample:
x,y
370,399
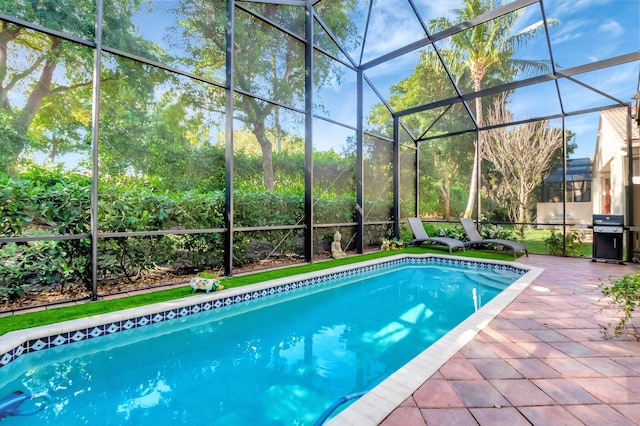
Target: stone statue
x,y
336,248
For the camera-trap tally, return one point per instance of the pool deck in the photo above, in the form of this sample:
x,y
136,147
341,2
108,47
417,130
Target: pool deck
x,y
544,360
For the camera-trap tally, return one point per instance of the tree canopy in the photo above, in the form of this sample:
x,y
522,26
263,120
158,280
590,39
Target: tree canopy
x,y
46,82
152,118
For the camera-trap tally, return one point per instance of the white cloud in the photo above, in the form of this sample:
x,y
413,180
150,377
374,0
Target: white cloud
x,y
566,37
620,81
391,27
568,31
612,27
431,9
592,58
531,17
403,65
561,9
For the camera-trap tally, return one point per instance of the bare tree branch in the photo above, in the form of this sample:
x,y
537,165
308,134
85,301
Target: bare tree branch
x,y
18,77
61,89
521,154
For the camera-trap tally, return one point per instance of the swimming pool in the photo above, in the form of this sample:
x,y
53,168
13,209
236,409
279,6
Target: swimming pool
x,y
311,357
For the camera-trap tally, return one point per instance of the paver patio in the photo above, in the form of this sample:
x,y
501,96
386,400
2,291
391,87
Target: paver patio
x,y
544,360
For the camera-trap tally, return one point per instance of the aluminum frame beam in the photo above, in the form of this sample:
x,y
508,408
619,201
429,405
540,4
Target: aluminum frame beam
x,y
569,72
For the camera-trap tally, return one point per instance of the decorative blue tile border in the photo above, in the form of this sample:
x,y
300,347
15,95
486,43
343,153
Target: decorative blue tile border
x,y
43,343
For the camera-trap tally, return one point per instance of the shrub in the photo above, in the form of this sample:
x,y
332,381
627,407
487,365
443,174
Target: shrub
x,y
448,231
42,263
555,243
334,209
14,204
489,230
624,294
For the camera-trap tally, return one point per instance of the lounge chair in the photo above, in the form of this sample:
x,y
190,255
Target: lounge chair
x,y
476,239
421,236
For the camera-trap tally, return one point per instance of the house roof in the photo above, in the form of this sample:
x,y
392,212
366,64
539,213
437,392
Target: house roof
x,y
578,170
617,117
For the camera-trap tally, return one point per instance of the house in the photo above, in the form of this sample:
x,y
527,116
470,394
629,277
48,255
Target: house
x,y
611,166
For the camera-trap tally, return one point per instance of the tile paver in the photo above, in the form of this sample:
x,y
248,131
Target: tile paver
x,y
403,416
550,415
631,362
528,324
631,383
518,336
533,368
437,394
459,369
495,369
630,411
573,349
478,393
509,350
478,349
608,367
569,367
549,336
547,359
522,392
598,415
448,417
541,349
504,416
608,390
565,391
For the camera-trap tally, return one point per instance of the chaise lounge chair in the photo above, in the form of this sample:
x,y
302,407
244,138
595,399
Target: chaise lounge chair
x,y
421,236
476,239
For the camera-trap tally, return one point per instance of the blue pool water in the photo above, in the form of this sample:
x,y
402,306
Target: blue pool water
x,y
267,362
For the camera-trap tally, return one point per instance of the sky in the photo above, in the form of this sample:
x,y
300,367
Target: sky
x,y
585,31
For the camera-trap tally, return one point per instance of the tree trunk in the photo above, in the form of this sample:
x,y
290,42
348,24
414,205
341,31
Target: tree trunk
x,y
54,149
524,198
473,185
256,117
267,154
445,196
8,33
522,217
25,117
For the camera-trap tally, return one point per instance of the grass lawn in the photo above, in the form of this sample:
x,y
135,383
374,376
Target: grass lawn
x,y
50,316
534,240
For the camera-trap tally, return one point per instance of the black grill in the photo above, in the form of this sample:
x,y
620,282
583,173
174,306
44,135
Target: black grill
x,y
608,230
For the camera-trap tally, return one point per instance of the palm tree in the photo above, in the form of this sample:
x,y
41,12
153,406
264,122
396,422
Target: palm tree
x,y
486,52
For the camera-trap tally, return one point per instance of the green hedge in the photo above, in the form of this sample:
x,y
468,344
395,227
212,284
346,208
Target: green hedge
x,y
44,202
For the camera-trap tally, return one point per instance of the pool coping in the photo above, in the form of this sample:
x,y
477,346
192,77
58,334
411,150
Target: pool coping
x,y
372,408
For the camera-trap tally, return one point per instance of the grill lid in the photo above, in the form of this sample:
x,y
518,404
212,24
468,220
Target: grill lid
x,y
608,219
